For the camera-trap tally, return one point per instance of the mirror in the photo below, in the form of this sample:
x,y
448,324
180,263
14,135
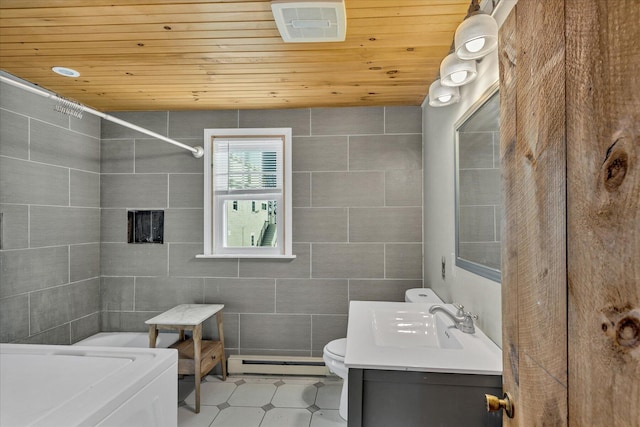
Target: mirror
x,y
478,188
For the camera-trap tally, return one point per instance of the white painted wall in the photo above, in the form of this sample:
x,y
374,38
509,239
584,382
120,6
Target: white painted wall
x,y
479,295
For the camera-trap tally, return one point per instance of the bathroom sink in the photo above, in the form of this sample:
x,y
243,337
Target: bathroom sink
x,y
405,336
406,329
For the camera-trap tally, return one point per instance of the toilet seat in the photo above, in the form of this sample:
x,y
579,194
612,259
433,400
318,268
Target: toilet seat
x,y
337,348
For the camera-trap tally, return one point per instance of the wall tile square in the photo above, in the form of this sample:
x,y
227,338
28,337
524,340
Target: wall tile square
x,y
403,119
184,225
84,261
126,321
15,223
117,293
191,124
71,149
88,125
14,135
28,270
186,190
183,262
155,156
55,306
347,260
113,225
296,119
403,261
326,328
256,332
385,225
311,296
33,183
60,335
380,290
320,153
163,293
299,267
22,102
14,318
480,187
124,259
85,189
346,189
485,253
385,152
155,121
230,329
476,150
477,224
133,191
301,189
241,295
403,188
116,155
52,225
85,327
320,224
347,121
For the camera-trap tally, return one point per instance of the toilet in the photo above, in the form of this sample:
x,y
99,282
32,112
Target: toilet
x,y
333,353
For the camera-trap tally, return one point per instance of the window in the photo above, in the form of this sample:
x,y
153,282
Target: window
x,y
246,171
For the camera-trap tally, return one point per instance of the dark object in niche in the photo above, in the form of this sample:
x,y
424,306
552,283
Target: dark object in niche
x,y
145,226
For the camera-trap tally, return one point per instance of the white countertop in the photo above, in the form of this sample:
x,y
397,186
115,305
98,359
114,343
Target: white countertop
x,y
186,314
479,355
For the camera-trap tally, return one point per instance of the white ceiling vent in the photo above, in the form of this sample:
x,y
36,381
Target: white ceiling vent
x,y
305,21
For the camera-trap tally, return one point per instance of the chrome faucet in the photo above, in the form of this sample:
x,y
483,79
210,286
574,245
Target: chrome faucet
x,y
463,319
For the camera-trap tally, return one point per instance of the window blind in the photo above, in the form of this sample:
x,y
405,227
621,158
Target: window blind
x,y
247,165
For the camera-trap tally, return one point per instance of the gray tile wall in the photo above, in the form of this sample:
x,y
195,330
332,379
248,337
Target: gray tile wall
x,y
357,209
480,197
49,199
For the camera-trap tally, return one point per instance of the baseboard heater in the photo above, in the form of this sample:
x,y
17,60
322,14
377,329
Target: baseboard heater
x,y
278,365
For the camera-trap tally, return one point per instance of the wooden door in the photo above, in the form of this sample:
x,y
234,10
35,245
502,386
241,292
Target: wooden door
x,y
603,188
570,147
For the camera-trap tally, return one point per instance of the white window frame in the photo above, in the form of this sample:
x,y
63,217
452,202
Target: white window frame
x,y
213,223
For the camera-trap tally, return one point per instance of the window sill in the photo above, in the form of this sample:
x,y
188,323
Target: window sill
x,y
247,256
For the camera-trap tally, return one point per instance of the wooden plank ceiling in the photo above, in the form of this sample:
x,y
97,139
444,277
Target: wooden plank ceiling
x,y
226,54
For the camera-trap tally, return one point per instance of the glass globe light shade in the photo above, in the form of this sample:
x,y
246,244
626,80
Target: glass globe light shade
x,y
440,96
476,37
457,72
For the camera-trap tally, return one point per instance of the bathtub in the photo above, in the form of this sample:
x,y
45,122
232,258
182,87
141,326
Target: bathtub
x,y
127,339
47,385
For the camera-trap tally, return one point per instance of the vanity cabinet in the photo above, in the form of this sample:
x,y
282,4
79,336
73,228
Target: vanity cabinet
x,y
387,398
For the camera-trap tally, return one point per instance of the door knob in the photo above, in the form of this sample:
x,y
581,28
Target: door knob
x,y
495,404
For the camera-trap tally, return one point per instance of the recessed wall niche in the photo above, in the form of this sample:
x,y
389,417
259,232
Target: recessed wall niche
x,y
145,226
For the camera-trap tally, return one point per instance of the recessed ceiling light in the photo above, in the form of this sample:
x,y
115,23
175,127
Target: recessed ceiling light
x,y
64,71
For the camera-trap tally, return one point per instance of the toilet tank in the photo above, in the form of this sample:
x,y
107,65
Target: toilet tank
x,y
425,295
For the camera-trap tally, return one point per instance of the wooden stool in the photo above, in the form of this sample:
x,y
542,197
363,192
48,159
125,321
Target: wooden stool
x,y
195,356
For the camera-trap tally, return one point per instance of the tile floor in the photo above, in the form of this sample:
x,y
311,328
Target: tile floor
x,y
261,401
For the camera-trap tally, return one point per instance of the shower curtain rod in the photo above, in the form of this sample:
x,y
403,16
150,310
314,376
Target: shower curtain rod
x,y
196,151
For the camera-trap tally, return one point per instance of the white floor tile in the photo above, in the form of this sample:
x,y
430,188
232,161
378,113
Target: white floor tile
x,y
251,394
286,417
212,393
295,396
329,396
239,417
327,418
188,418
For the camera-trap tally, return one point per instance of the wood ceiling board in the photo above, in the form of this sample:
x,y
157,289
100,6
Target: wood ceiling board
x,y
162,52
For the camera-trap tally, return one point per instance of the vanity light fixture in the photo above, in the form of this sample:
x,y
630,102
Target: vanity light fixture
x,y
440,96
457,72
477,35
